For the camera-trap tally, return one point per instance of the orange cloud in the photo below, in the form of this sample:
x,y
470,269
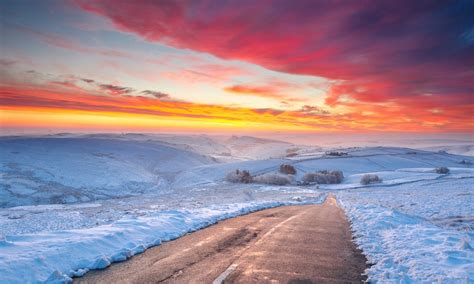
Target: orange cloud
x,y
45,108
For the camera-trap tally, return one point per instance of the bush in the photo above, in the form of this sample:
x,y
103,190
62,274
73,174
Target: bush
x,y
324,177
370,178
335,153
239,176
273,178
442,170
339,175
465,162
287,169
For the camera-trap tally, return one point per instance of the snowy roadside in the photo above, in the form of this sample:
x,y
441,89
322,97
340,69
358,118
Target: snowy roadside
x,y
420,232
56,256
70,205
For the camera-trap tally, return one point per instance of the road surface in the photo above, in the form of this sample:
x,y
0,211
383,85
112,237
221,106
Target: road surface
x,y
290,244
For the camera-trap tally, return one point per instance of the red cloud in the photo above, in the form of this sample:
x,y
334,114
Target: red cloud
x,y
386,52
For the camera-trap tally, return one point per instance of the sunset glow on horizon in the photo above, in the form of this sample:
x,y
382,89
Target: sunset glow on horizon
x,y
228,66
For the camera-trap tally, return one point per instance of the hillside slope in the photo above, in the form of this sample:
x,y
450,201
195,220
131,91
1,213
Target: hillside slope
x,y
67,170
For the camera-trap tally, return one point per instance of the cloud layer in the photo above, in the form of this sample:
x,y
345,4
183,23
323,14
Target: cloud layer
x,y
409,55
367,65
151,108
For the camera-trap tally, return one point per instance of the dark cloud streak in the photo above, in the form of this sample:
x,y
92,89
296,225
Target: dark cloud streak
x,y
156,94
116,90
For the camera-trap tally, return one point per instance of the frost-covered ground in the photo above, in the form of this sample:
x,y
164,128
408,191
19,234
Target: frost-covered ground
x,y
419,231
69,170
103,198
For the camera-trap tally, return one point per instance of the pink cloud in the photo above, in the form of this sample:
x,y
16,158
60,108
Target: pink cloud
x,y
269,92
382,52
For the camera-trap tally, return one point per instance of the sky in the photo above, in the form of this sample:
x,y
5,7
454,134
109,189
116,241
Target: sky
x,y
237,66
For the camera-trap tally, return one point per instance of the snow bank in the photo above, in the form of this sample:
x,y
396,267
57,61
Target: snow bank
x,y
416,232
408,249
59,255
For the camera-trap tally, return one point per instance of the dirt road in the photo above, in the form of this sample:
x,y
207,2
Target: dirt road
x,y
290,244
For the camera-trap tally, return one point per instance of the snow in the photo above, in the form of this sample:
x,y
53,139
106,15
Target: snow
x,y
416,232
68,170
459,144
459,149
47,256
221,148
105,197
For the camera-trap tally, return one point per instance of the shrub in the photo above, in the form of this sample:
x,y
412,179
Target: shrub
x,y
273,178
287,169
370,178
442,170
335,153
339,175
465,162
239,176
324,177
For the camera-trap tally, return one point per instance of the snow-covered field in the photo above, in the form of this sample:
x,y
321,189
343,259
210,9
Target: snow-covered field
x,y
105,197
420,231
